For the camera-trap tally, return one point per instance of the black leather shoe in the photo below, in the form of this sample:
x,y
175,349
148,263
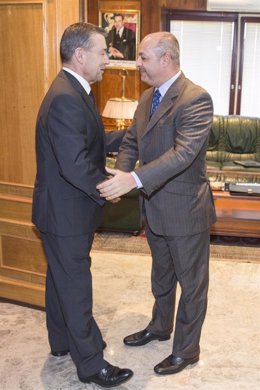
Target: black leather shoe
x,y
143,337
109,376
173,364
65,352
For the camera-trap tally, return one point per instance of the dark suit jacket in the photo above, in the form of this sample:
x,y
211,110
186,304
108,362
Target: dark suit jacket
x,y
171,148
71,151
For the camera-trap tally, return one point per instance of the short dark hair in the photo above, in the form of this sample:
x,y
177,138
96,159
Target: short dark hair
x,y
77,35
122,16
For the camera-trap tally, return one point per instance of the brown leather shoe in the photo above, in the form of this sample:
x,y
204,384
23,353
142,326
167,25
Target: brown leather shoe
x,y
109,376
143,337
173,364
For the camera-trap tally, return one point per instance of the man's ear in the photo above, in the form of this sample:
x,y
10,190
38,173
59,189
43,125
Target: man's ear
x,y
166,58
79,54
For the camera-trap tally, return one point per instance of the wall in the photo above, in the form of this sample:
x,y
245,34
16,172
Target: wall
x,y
29,52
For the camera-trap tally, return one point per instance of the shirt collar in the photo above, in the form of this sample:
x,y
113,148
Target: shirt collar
x,y
165,86
80,79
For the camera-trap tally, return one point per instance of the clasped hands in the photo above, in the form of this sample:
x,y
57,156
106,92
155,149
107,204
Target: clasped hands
x,y
118,184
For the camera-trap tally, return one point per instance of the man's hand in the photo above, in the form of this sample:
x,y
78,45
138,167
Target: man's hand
x,y
115,53
120,184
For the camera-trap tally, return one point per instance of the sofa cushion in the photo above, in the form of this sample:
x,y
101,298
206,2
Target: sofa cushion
x,y
233,137
231,166
213,165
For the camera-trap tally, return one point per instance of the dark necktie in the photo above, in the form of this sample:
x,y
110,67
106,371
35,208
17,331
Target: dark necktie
x,y
155,101
91,95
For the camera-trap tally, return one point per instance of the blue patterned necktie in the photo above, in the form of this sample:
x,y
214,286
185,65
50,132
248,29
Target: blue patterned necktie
x,y
155,101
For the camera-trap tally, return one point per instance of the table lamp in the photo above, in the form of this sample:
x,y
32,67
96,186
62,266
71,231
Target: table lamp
x,y
122,108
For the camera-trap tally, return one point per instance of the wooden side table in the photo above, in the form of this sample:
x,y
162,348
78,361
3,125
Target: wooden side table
x,y
236,215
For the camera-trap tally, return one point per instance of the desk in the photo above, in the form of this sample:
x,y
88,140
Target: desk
x,y
236,215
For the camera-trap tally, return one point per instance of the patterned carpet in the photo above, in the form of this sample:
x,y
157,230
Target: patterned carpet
x,y
222,248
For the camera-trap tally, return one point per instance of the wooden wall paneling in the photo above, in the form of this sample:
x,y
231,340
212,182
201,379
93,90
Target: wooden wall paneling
x,y
112,86
150,16
30,33
22,50
184,4
119,5
22,259
68,12
20,253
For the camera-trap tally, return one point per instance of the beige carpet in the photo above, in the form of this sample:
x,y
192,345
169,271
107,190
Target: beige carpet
x,y
230,343
127,243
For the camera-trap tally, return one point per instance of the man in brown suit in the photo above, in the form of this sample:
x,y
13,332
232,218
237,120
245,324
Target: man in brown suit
x,y
169,137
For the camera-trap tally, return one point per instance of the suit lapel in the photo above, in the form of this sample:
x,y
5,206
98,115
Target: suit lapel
x,y
76,84
166,104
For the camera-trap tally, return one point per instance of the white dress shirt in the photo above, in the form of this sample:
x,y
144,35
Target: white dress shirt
x,y
80,79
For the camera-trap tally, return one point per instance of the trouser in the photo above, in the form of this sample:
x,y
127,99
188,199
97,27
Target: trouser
x,y
69,318
183,259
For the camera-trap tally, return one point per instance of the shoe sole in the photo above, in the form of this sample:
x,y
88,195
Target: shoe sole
x,y
189,365
86,380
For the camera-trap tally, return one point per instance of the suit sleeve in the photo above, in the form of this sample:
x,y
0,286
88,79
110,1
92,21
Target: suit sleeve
x,y
113,140
128,151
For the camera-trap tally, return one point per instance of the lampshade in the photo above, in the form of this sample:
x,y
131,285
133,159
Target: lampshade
x,y
120,108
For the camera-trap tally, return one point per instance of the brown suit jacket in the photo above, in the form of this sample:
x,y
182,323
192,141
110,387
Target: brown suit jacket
x,y
171,149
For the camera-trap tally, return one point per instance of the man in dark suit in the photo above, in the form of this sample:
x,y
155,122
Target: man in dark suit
x,y
169,137
71,152
121,41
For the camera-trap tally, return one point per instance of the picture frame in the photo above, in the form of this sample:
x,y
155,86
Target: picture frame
x,y
122,47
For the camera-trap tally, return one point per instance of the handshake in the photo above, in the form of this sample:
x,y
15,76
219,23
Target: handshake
x,y
118,184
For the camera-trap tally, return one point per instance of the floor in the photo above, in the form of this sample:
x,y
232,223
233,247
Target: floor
x,y
230,343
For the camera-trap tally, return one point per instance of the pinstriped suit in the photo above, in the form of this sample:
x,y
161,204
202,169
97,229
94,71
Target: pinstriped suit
x,y
178,204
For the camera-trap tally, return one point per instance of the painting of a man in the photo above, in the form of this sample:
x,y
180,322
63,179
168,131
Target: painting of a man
x,y
121,39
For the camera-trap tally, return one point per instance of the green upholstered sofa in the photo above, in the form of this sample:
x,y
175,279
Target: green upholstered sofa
x,y
232,138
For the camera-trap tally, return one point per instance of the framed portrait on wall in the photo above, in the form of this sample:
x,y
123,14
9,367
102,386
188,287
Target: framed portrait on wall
x,y
123,36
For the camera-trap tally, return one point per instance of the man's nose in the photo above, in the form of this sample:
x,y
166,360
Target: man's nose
x,y
138,61
106,58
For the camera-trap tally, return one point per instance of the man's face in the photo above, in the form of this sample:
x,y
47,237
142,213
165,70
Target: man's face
x,y
118,22
149,64
95,60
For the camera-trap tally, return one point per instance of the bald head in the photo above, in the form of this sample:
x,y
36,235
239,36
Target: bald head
x,y
159,58
164,42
